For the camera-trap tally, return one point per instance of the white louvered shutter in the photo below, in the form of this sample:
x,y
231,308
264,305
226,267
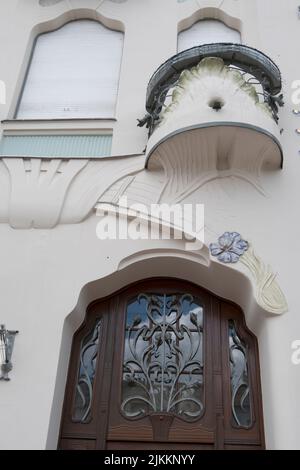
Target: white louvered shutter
x,y
207,32
74,73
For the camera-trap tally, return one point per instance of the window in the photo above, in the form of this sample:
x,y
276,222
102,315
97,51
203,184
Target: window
x,y
86,374
74,73
163,356
207,32
163,364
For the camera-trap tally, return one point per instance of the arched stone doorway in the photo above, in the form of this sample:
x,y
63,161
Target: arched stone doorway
x,y
163,364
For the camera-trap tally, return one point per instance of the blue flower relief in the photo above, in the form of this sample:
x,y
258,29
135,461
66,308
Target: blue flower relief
x,y
230,247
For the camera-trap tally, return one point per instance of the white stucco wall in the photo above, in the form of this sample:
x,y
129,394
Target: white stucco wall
x,y
53,265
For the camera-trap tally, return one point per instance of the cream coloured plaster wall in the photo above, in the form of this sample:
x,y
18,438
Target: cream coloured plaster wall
x,y
53,265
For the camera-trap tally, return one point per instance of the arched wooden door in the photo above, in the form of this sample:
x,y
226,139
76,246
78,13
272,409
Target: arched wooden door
x,y
163,364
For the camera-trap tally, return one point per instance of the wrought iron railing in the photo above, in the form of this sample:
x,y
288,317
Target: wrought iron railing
x,y
246,59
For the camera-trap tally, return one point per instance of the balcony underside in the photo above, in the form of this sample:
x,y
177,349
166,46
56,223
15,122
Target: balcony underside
x,y
195,156
217,146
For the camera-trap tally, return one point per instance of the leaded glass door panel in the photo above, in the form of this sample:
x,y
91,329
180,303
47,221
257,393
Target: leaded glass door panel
x,y
159,385
163,356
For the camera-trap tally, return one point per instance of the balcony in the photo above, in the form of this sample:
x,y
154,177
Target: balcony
x,y
214,108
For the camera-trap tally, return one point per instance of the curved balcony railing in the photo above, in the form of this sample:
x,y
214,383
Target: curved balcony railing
x,y
259,69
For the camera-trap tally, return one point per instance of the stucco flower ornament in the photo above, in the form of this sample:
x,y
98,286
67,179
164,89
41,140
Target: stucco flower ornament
x,y
230,247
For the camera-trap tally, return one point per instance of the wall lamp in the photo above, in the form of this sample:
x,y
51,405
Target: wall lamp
x,y
7,339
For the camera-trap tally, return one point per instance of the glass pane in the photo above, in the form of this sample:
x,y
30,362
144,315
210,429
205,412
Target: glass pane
x,y
162,368
74,73
207,32
240,386
86,375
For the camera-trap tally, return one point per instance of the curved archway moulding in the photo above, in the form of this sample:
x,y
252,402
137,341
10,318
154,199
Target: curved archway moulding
x,y
210,13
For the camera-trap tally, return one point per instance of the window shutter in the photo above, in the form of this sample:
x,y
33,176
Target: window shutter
x,y
206,32
74,73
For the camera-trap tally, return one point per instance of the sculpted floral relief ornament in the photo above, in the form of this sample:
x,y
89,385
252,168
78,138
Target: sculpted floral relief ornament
x,y
230,247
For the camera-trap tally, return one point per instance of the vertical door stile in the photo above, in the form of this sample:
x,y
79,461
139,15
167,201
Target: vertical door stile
x,y
104,402
217,373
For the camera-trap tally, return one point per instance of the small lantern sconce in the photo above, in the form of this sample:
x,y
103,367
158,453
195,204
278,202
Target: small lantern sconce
x,y
7,339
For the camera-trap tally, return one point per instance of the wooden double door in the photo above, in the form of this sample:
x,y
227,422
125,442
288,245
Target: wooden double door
x,y
163,364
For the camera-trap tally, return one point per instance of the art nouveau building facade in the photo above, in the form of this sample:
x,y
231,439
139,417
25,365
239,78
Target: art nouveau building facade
x,y
140,342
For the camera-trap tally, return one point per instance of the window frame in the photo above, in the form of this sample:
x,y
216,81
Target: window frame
x,y
32,47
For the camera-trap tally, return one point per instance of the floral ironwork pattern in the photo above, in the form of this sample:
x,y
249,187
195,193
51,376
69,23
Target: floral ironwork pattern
x,y
163,368
230,247
246,61
240,386
86,375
